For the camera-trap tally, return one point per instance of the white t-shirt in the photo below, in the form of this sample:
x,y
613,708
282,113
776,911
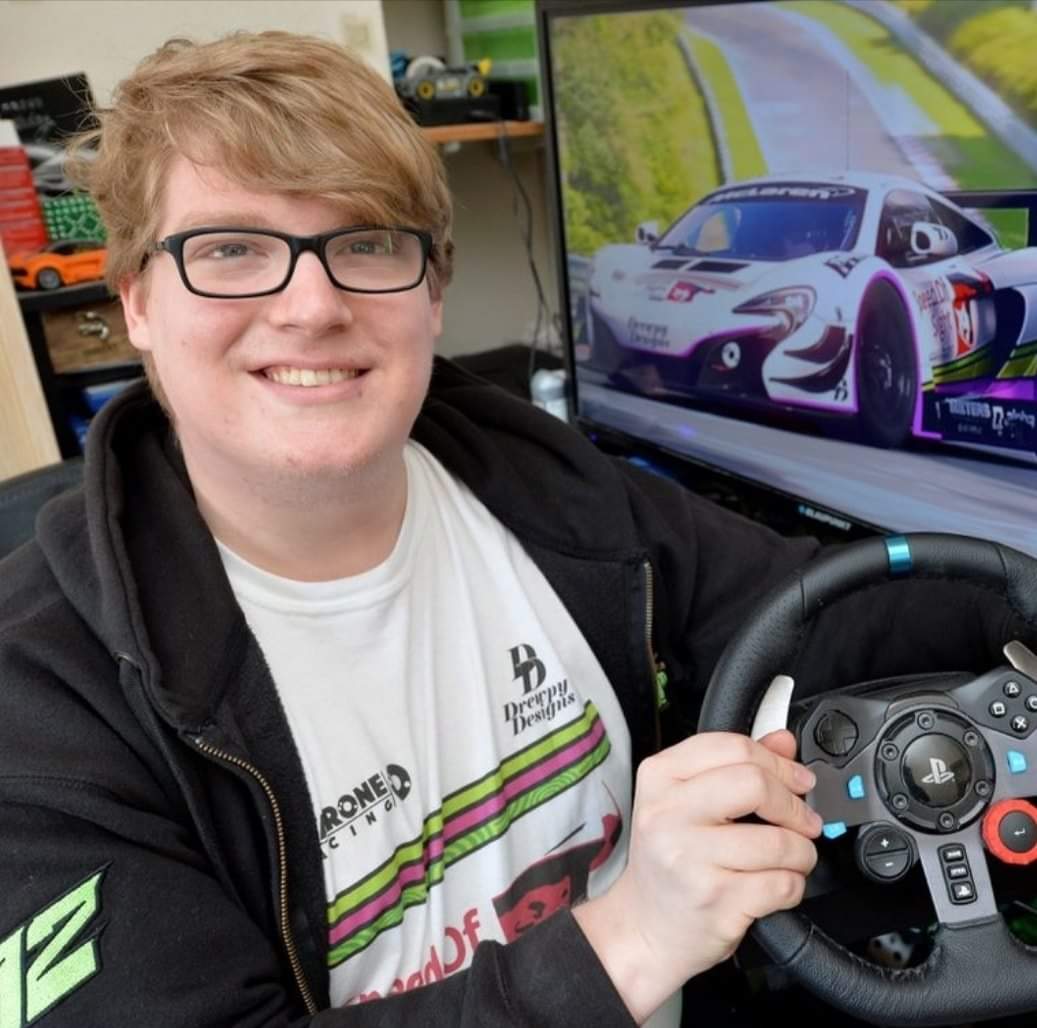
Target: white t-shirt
x,y
468,762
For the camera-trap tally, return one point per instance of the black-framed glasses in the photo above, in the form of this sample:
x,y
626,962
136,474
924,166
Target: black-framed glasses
x,y
235,263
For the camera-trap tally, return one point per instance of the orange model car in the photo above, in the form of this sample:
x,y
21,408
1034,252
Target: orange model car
x,y
63,263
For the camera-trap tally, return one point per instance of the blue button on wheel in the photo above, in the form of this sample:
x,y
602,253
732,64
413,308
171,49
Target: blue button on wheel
x,y
833,829
1016,762
855,787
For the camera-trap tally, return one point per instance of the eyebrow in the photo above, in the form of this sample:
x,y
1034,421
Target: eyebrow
x,y
239,219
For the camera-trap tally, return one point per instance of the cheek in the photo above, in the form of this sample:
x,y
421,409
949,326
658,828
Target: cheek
x,y
197,333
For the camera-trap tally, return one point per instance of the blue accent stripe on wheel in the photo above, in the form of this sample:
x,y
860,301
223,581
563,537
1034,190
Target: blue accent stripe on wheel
x,y
899,550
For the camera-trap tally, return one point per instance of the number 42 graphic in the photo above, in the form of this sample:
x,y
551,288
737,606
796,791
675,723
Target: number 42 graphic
x,y
38,965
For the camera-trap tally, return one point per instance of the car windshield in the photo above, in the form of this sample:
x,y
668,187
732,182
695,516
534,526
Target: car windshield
x,y
766,228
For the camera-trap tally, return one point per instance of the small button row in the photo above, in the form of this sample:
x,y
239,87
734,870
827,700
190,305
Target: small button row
x,y
1020,722
957,874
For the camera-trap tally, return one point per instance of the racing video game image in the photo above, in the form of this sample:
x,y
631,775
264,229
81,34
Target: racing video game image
x,y
816,211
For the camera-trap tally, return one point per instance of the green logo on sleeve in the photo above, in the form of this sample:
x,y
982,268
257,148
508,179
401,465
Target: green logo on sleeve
x,y
39,966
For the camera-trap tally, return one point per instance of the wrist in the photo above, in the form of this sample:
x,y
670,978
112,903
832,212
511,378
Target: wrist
x,y
643,982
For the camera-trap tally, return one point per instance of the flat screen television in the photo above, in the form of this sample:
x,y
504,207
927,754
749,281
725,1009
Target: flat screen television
x,y
798,249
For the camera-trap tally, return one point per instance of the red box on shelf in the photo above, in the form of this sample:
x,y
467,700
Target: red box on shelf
x,y
22,227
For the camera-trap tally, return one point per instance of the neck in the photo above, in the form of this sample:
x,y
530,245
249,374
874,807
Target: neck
x,y
308,531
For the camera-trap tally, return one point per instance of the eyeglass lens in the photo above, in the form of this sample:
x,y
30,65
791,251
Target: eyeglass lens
x,y
239,263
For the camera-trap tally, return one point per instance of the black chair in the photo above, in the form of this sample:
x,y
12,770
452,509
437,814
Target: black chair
x,y
21,498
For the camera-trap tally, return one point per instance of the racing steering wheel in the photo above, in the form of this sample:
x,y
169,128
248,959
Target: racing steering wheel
x,y
933,772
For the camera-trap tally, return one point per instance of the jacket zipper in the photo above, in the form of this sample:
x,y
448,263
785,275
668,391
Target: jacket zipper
x,y
658,667
286,931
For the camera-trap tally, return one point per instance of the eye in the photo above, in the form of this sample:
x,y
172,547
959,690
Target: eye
x,y
229,250
225,251
372,247
375,244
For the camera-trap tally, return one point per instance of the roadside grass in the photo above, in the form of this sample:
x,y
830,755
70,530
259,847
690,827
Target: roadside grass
x,y
746,156
972,155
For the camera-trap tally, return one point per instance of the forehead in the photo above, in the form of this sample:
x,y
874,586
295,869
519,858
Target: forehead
x,y
194,196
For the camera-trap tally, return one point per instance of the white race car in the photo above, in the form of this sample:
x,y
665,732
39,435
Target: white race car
x,y
859,295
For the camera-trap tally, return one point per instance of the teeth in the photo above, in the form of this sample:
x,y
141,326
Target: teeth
x,y
307,377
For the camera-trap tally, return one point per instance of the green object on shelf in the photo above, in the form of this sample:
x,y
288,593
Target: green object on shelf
x,y
72,217
504,31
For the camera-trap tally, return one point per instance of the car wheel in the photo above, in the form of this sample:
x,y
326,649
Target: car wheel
x,y
48,278
887,373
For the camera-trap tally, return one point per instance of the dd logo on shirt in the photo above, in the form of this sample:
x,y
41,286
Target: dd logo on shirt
x,y
527,667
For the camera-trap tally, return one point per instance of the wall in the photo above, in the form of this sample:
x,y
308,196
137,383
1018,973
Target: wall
x,y
105,38
492,300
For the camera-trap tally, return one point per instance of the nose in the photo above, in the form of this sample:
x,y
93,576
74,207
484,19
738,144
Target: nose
x,y
311,302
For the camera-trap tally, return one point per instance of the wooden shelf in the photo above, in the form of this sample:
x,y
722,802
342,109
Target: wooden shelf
x,y
474,131
34,301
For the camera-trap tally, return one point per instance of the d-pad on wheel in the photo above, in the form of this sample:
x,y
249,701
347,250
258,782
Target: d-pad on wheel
x,y
935,771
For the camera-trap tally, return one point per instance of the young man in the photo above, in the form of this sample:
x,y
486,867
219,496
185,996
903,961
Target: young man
x,y
331,683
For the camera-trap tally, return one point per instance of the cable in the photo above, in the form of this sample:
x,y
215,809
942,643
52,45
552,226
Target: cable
x,y
519,192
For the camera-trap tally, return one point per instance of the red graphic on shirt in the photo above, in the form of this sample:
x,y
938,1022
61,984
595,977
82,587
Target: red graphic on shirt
x,y
554,883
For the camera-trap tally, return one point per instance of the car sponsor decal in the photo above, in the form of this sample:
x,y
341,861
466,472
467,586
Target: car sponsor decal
x,y
791,191
989,421
934,302
648,334
967,291
39,966
843,264
685,292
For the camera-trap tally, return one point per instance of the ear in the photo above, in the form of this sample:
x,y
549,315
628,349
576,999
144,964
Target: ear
x,y
134,295
436,312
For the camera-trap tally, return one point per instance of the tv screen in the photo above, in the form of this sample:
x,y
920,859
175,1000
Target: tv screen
x,y
799,246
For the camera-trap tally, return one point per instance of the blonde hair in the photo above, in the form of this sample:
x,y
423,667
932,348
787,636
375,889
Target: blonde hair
x,y
274,112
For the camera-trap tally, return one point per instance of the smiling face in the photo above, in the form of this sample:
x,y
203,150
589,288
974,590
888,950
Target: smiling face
x,y
311,383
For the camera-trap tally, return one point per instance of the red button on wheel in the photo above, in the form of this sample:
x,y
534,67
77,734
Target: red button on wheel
x,y
1010,831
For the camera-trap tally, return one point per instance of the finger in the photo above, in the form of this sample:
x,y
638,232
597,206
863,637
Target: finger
x,y
746,847
782,742
710,750
764,892
725,794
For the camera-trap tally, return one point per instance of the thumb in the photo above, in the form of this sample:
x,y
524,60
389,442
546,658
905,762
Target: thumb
x,y
782,742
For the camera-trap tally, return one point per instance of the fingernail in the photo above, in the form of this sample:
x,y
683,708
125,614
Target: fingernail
x,y
806,777
816,822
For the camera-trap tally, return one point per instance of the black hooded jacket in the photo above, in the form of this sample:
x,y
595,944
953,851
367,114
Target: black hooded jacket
x,y
160,864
